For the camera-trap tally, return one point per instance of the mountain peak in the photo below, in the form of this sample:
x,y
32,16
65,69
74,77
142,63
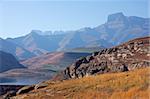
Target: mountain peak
x,y
116,17
34,33
84,29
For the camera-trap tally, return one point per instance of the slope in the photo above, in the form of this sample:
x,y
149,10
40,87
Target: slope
x,y
54,60
126,85
16,50
8,61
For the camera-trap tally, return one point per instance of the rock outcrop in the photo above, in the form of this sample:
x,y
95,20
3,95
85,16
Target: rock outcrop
x,y
125,57
25,89
9,89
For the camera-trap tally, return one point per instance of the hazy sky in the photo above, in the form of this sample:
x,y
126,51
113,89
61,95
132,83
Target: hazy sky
x,y
20,17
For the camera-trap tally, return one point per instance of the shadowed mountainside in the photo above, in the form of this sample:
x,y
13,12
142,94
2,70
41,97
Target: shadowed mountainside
x,y
8,61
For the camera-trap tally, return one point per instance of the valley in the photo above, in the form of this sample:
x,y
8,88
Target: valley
x,y
40,68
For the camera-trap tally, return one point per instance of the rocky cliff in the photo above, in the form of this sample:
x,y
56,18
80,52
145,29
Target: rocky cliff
x,y
125,57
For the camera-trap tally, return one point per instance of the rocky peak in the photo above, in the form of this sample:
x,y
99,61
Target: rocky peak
x,y
33,33
116,17
128,56
36,31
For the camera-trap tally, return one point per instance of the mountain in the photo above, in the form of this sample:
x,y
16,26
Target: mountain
x,y
125,57
120,28
117,29
16,50
8,61
38,44
85,37
55,60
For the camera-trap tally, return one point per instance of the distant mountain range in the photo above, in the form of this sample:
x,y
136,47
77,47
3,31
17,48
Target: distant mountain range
x,y
16,50
117,29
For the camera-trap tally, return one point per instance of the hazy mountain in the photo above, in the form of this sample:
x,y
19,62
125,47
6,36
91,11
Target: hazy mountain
x,y
16,50
38,44
117,29
85,37
8,61
120,28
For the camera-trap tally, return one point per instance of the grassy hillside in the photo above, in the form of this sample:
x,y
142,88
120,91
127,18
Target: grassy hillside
x,y
125,85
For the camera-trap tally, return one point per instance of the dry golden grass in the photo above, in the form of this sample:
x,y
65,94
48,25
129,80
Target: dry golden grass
x,y
126,85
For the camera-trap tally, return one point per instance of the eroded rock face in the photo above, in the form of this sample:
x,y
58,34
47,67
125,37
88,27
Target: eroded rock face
x,y
9,90
25,89
128,56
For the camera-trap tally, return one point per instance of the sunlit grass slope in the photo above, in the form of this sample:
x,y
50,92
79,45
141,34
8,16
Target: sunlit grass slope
x,y
126,85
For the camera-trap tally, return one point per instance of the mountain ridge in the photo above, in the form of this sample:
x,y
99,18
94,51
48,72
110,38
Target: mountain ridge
x,y
117,29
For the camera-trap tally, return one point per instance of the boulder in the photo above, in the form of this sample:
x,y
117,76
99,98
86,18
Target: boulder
x,y
9,94
40,85
25,89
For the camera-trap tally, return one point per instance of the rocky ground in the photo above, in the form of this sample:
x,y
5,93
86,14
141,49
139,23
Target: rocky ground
x,y
9,88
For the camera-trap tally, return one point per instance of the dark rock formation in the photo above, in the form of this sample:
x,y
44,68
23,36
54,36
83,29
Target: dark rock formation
x,y
25,89
9,94
128,56
9,89
40,85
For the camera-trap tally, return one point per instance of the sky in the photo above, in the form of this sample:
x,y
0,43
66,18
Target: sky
x,y
18,18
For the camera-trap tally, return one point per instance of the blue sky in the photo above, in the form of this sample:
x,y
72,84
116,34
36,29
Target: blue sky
x,y
20,17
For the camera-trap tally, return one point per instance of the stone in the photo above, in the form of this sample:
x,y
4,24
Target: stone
x,y
89,58
25,89
95,54
9,94
40,85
